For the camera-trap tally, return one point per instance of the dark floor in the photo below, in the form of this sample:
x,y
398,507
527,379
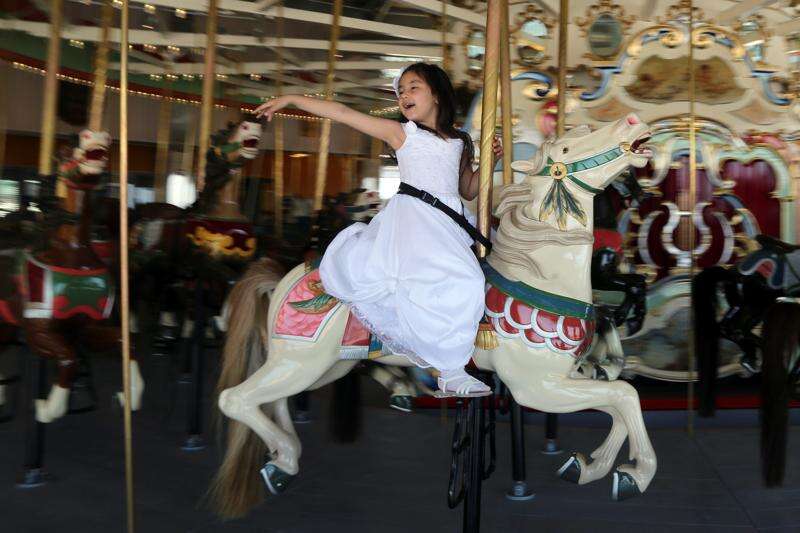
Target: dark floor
x,y
392,480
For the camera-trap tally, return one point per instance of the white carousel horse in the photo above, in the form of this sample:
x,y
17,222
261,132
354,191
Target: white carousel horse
x,y
539,324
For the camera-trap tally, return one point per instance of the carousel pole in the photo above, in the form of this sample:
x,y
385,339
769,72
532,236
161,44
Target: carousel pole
x,y
162,144
33,474
325,136
476,406
101,69
505,95
692,197
51,90
124,270
279,145
207,106
551,419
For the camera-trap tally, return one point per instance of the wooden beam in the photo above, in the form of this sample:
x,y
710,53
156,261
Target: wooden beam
x,y
458,13
740,10
239,6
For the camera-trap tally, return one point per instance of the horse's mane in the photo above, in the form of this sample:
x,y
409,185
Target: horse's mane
x,y
521,233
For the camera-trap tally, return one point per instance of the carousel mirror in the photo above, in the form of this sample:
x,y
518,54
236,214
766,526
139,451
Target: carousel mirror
x,y
754,37
529,35
605,36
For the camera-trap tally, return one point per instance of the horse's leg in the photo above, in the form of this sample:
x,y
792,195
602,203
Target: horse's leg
x,y
537,378
46,340
103,337
579,470
292,367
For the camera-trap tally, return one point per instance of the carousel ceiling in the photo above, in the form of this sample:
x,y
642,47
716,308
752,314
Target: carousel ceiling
x,y
266,46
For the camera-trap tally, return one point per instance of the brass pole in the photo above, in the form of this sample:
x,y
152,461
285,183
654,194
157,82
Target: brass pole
x,y
101,69
325,138
562,67
277,175
692,196
162,143
445,54
189,138
50,90
208,92
505,94
488,117
123,255
4,74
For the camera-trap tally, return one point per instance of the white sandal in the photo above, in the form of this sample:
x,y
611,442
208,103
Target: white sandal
x,y
464,390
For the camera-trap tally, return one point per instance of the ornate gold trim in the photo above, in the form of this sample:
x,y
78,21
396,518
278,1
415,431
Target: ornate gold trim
x,y
603,7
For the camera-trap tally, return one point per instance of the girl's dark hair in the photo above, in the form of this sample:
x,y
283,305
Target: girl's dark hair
x,y
442,90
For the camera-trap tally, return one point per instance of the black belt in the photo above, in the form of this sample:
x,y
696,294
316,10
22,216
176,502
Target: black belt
x,y
459,219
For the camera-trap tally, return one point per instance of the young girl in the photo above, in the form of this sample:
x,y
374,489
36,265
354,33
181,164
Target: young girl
x,y
410,275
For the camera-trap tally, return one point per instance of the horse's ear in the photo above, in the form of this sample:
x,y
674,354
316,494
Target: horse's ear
x,y
578,131
534,164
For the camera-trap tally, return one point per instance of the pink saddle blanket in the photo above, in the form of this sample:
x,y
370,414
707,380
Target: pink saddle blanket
x,y
306,309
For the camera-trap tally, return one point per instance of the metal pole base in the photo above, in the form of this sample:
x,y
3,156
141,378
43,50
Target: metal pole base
x,y
194,443
551,447
32,478
520,492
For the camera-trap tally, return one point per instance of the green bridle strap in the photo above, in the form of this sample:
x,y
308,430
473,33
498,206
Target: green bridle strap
x,y
585,164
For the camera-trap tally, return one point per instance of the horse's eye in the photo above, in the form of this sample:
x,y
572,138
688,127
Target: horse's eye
x,y
565,150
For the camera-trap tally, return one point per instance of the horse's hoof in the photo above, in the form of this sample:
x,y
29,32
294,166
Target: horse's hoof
x,y
571,470
624,487
277,480
402,403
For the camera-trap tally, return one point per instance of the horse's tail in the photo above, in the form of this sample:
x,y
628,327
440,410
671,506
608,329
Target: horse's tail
x,y
706,335
345,410
237,488
781,334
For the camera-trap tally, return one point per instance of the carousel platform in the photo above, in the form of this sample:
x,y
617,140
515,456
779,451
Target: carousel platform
x,y
393,479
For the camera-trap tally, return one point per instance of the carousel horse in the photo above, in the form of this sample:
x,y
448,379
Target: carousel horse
x,y
66,291
209,241
608,255
749,288
539,323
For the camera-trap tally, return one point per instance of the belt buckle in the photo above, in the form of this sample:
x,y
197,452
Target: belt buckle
x,y
429,198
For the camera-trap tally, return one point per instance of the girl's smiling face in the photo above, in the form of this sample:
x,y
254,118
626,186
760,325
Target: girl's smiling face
x,y
416,100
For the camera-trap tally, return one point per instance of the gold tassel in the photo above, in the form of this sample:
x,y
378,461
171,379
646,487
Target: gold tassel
x,y
486,339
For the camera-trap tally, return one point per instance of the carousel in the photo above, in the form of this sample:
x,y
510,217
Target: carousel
x,y
173,174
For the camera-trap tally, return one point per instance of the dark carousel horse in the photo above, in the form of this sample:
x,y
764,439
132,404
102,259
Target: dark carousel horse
x,y
760,290
60,292
608,255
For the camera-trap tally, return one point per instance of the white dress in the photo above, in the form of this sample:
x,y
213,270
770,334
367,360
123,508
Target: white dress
x,y
410,275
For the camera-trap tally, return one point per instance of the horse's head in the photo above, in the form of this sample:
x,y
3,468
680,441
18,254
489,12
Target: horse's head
x,y
246,138
91,153
363,205
594,157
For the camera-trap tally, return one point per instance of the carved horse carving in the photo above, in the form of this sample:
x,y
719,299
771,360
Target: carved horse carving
x,y
65,291
538,309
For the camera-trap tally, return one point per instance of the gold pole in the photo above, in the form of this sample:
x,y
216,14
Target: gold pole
x,y
488,117
505,94
562,67
692,196
101,69
278,161
162,144
50,90
189,138
208,92
445,55
4,74
123,239
325,139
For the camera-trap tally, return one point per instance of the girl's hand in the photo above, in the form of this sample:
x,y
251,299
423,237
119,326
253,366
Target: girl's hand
x,y
497,150
267,109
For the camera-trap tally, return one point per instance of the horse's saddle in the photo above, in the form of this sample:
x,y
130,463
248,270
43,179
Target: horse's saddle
x,y
307,308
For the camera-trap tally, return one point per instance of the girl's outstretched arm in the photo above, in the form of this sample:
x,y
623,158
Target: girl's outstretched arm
x,y
385,129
